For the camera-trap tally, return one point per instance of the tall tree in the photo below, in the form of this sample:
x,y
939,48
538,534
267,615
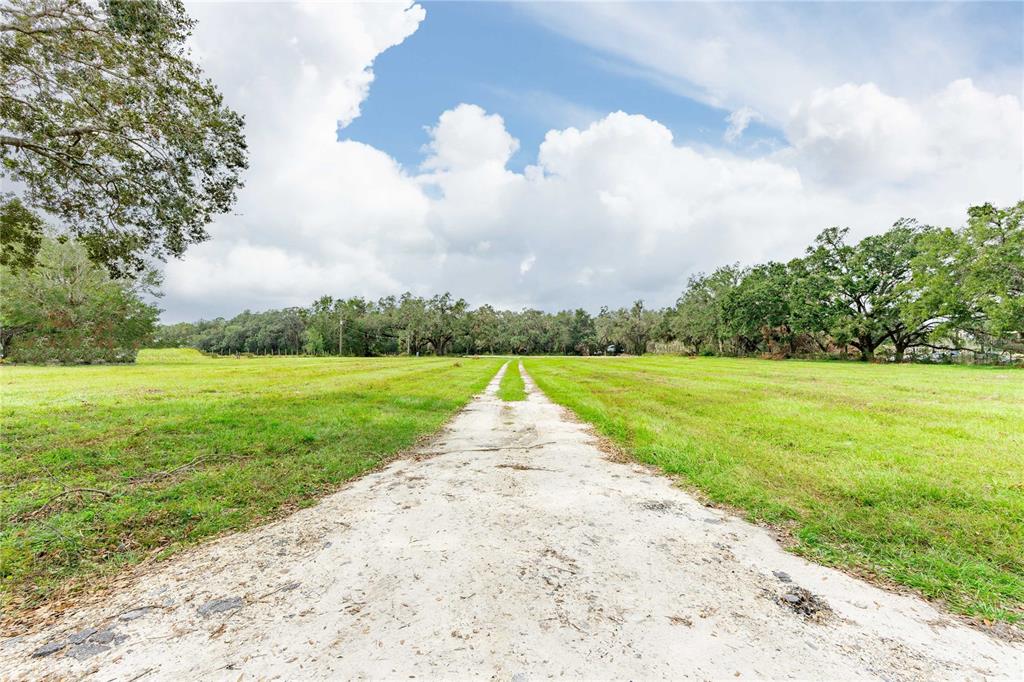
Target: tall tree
x,y
444,314
634,327
604,329
485,329
322,326
107,125
808,318
582,335
972,278
700,317
996,276
411,319
758,310
861,288
67,309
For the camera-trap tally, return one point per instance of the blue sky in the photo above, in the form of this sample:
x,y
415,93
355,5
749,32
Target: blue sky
x,y
483,152
498,56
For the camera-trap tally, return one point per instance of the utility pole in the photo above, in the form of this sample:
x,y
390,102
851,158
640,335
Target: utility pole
x,y
341,335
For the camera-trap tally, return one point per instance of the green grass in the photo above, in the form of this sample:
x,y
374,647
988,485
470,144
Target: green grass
x,y
189,446
913,474
512,387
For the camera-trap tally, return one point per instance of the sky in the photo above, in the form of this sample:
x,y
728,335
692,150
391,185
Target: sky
x,y
585,154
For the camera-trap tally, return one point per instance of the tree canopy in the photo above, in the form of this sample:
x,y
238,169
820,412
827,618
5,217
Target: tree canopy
x,y
860,287
972,279
67,309
109,127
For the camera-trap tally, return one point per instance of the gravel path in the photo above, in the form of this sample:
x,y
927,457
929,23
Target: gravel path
x,y
509,547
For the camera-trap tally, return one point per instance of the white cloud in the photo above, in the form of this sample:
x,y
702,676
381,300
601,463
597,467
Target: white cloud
x,y
527,264
617,209
768,56
739,120
961,135
273,276
612,210
845,131
316,214
466,138
468,153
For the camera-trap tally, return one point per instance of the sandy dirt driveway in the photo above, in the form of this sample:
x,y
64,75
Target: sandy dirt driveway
x,y
511,548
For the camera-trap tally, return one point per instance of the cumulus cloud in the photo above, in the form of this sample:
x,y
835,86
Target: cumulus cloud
x,y
960,139
628,212
468,138
609,211
315,211
272,276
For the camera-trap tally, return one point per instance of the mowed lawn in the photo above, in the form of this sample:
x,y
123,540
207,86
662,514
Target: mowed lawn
x,y
179,447
911,473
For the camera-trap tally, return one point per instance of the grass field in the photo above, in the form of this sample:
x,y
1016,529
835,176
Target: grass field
x,y
914,474
102,466
512,387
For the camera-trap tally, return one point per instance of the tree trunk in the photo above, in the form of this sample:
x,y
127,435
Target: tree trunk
x,y
867,347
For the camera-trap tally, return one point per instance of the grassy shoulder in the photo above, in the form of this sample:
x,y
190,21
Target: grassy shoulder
x,y
512,388
100,466
914,474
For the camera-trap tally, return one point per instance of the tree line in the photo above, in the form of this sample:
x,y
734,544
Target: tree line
x,y
933,293
913,291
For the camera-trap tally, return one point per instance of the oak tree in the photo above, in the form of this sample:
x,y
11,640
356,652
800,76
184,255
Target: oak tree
x,y
110,128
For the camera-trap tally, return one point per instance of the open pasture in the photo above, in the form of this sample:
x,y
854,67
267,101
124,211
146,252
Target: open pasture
x,y
102,466
912,474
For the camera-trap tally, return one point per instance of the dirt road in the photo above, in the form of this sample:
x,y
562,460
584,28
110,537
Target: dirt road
x,y
509,547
